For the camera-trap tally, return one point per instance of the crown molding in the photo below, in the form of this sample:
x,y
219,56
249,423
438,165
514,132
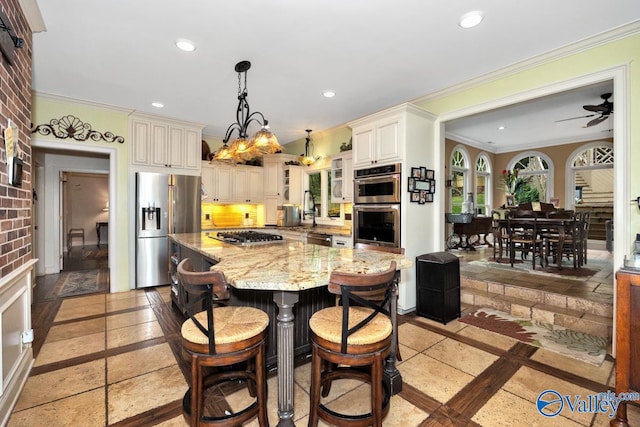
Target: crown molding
x,y
61,98
618,33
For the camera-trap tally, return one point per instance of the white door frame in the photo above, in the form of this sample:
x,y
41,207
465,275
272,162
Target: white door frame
x,y
621,146
112,152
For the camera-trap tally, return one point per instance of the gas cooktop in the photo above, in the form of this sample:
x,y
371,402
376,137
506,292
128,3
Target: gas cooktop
x,y
247,238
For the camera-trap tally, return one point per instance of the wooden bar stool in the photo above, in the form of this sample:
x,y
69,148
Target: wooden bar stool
x,y
352,342
219,337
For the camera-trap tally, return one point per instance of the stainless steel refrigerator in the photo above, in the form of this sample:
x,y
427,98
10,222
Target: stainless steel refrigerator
x,y
165,204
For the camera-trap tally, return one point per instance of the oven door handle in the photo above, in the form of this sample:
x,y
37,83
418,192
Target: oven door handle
x,y
386,207
382,178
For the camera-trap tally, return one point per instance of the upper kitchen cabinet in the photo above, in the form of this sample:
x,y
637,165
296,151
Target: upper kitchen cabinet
x,y
248,185
342,178
292,185
217,182
274,184
378,140
166,146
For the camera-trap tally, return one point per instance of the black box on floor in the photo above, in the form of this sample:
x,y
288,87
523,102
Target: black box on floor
x,y
438,286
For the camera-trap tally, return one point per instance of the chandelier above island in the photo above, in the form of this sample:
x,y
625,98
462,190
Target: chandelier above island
x,y
242,148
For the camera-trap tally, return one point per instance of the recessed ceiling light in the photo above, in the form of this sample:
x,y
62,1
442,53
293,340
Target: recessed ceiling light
x,y
157,104
471,19
501,128
329,93
186,45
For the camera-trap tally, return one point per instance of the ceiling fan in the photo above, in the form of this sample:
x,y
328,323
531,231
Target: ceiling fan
x,y
602,111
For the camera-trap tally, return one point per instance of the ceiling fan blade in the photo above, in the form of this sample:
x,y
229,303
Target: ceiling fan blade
x,y
573,118
596,121
596,108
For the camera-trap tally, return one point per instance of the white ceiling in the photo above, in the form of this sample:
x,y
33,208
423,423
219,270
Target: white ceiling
x,y
374,53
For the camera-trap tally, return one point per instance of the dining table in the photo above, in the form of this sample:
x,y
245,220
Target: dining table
x,y
544,227
287,268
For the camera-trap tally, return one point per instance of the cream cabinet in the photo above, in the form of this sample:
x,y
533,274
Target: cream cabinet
x,y
224,183
158,144
217,182
378,141
292,185
274,184
342,178
247,184
342,242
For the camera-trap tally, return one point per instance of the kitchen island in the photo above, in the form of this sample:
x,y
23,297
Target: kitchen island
x,y
288,269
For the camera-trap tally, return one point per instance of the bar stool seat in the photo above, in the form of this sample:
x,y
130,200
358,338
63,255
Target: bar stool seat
x,y
221,337
353,342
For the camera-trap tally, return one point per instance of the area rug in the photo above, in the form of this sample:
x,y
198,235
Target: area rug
x,y
551,270
81,282
578,345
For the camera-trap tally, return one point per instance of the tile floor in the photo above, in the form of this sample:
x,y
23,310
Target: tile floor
x,y
113,360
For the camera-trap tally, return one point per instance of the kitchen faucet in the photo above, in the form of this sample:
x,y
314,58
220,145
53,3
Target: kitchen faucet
x,y
311,212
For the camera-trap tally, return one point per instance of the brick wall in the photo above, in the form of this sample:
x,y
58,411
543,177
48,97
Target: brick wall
x,y
15,104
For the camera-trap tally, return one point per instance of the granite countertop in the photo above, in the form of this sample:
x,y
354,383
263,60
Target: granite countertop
x,y
288,266
325,229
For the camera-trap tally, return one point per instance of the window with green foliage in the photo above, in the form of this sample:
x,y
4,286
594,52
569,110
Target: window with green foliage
x,y
483,185
320,187
459,171
534,179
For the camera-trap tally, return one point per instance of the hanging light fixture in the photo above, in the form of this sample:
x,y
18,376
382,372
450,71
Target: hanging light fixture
x,y
242,148
305,158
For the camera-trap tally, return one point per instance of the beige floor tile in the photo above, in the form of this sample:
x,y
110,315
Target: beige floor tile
x,y
136,395
138,362
130,318
496,340
467,359
529,383
508,410
241,399
452,326
82,301
302,377
133,334
70,348
432,377
55,385
85,409
174,422
79,311
406,353
125,303
416,337
134,293
633,417
75,329
601,373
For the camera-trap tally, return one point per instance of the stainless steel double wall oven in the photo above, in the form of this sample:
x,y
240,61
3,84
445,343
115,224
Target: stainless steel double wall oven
x,y
376,205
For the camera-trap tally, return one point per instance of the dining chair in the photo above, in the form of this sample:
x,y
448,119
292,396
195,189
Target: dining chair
x,y
524,237
231,340
352,342
570,229
500,235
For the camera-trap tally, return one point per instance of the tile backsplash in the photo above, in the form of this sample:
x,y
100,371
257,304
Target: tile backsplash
x,y
215,215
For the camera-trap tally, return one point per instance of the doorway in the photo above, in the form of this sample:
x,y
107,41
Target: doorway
x,y
85,218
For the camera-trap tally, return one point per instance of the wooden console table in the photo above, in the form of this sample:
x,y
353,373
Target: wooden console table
x,y
479,225
627,318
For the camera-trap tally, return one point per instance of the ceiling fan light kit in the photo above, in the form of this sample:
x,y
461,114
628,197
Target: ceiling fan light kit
x,y
603,111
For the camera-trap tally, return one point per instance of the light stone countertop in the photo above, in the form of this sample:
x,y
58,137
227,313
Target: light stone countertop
x,y
287,266
325,229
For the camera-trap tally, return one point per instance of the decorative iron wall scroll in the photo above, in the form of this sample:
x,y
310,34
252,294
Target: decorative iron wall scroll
x,y
71,127
421,185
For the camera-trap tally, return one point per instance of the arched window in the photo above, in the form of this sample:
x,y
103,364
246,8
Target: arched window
x,y
536,171
590,175
460,184
483,185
